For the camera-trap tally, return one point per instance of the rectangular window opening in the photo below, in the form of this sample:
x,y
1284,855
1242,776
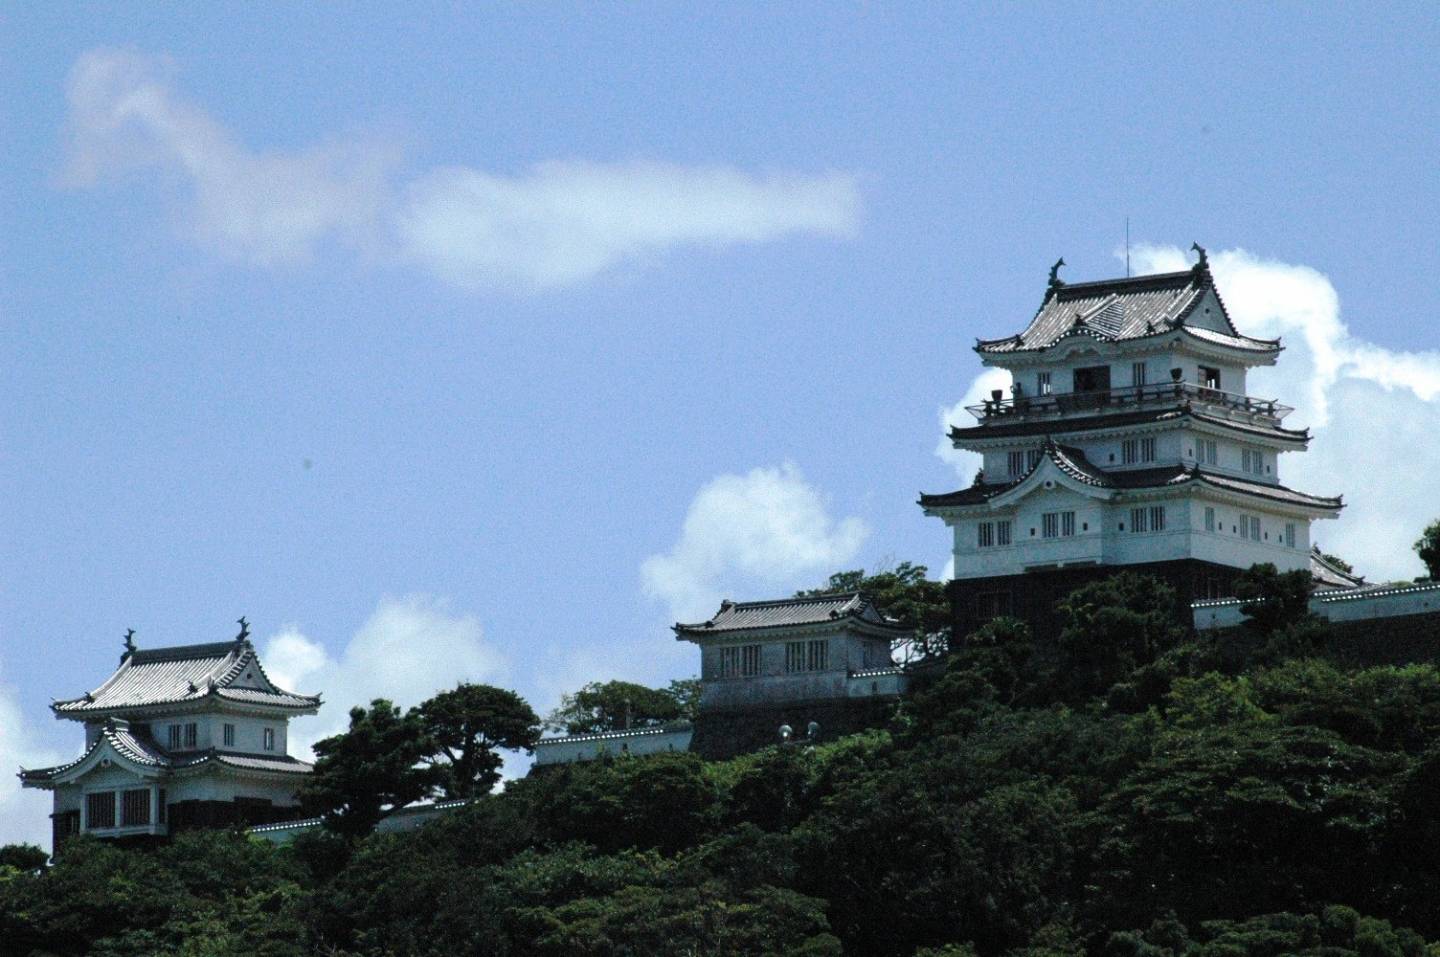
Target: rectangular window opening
x,y
100,809
1042,383
1209,519
269,738
135,807
229,736
750,661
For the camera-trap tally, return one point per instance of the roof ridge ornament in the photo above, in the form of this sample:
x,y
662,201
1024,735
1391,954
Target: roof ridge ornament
x,y
1203,264
1055,281
244,629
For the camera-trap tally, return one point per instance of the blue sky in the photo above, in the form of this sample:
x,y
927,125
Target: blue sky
x,y
482,343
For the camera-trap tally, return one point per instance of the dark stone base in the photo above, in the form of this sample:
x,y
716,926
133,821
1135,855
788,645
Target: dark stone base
x,y
187,815
1031,596
1402,640
725,734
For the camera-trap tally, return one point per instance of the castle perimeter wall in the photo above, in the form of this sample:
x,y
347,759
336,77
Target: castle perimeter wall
x,y
1337,607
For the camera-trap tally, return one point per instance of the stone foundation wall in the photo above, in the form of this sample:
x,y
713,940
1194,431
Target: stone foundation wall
x,y
725,734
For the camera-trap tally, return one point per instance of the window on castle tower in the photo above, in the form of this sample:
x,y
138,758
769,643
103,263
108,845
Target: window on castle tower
x,y
100,809
801,656
269,739
729,662
1289,534
1157,518
750,661
172,737
1015,462
1032,458
1139,520
1042,383
1002,532
1209,519
1137,374
135,807
1209,452
229,735
1057,524
1137,450
985,534
1210,376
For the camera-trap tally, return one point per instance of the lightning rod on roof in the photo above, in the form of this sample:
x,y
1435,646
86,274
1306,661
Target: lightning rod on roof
x,y
1127,247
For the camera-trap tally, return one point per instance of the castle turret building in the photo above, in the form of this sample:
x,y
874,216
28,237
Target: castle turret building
x,y
1128,441
188,736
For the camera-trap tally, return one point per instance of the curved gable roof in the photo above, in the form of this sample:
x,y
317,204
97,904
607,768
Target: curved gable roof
x,y
185,673
788,613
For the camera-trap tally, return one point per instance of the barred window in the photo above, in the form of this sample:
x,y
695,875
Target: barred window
x,y
1147,449
1209,519
1129,452
1137,373
803,656
1067,524
191,735
1209,452
1290,534
1050,524
729,662
1252,460
750,661
1015,463
985,534
269,739
172,737
1032,458
1002,532
1157,518
1139,520
135,807
100,809
229,736
1042,382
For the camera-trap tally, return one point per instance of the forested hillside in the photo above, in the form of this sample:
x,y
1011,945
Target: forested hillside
x,y
1125,790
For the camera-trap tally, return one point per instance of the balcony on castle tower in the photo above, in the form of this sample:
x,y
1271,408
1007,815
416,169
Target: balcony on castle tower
x,y
1099,399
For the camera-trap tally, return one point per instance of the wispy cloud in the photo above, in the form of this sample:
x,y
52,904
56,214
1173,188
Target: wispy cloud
x,y
557,224
1373,412
767,530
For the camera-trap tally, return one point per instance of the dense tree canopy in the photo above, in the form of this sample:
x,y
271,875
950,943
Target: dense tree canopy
x,y
467,726
612,705
1128,790
905,594
1428,548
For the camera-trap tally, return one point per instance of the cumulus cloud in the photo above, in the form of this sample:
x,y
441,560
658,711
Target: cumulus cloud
x,y
767,530
408,650
1373,411
557,224
24,814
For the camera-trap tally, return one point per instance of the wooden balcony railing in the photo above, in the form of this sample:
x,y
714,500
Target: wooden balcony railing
x,y
1128,397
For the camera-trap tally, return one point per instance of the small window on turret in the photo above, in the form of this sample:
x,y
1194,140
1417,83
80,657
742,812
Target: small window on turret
x,y
1042,383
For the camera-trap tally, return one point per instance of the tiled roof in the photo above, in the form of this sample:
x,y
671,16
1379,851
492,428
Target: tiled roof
x,y
787,613
1116,309
1001,428
1327,575
1074,463
181,674
139,749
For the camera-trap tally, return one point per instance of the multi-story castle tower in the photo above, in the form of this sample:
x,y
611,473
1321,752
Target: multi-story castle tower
x,y
1127,442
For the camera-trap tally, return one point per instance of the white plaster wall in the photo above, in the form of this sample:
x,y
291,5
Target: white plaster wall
x,y
565,751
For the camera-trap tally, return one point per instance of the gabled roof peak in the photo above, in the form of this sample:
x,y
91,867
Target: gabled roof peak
x,y
787,612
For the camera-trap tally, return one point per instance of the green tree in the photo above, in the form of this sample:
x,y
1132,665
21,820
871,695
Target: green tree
x,y
1110,628
371,770
1427,546
613,705
23,857
902,593
1274,600
468,726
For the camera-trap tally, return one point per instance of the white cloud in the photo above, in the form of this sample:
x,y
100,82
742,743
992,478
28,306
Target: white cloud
x,y
408,650
562,223
768,530
558,224
23,813
266,208
968,463
1373,412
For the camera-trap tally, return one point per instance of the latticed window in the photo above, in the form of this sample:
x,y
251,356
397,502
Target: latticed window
x,y
750,661
985,534
100,809
135,807
269,738
1057,524
191,735
729,662
1032,458
803,656
1002,532
1139,520
1137,373
229,735
1209,519
1209,452
1015,462
1157,518
1290,534
1042,381
172,737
